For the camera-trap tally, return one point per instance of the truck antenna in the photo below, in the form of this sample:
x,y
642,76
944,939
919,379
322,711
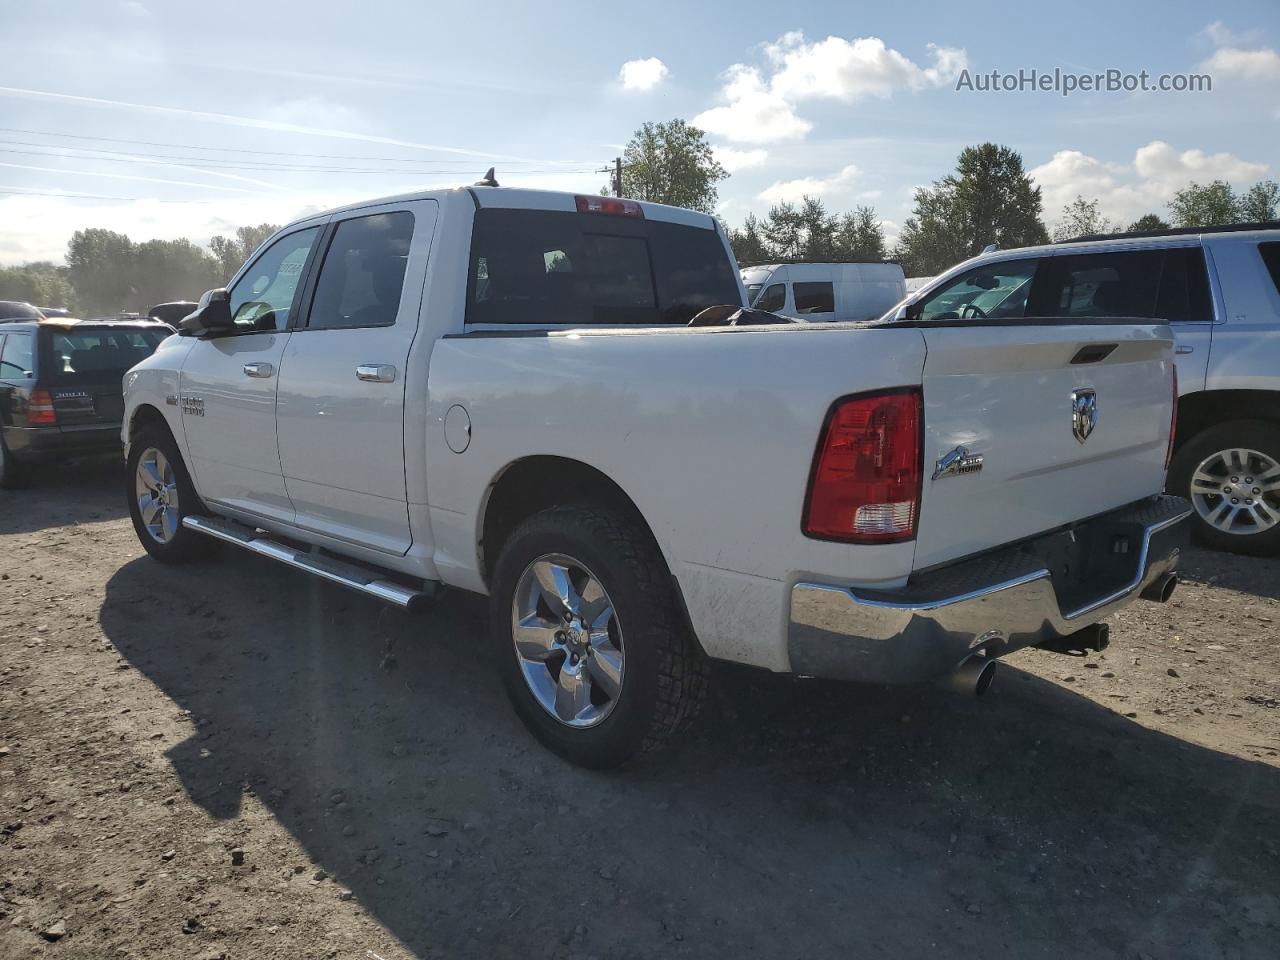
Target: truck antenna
x,y
487,180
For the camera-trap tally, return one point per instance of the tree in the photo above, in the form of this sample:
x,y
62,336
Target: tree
x,y
172,270
1147,221
859,236
989,199
748,243
42,283
671,163
231,254
783,231
817,228
1259,203
1204,205
100,267
1080,218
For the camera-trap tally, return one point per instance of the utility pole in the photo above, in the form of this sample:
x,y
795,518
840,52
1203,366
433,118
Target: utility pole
x,y
615,173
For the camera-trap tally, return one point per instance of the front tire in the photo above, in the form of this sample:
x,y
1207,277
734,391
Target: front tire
x,y
589,638
1231,475
160,495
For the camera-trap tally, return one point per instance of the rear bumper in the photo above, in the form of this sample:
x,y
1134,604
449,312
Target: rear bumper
x,y
40,444
1033,592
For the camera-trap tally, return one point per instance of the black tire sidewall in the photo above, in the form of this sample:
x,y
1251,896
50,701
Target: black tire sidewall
x,y
643,616
186,544
12,473
1260,435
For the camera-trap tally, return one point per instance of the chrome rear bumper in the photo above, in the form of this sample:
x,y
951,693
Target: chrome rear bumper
x,y
1033,592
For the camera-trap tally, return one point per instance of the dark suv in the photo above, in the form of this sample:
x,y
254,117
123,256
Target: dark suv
x,y
60,387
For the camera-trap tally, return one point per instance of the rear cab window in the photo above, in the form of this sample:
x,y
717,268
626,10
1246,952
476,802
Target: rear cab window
x,y
549,268
1270,253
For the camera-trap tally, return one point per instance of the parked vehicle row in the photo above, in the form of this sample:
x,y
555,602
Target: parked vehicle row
x,y
60,393
825,291
511,392
1219,289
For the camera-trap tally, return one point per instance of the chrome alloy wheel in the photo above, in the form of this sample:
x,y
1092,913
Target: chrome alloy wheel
x,y
1237,491
567,640
156,487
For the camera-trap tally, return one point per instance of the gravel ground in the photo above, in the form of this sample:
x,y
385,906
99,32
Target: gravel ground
x,y
234,761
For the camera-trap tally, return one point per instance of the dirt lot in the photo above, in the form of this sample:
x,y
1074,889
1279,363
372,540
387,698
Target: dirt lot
x,y
232,760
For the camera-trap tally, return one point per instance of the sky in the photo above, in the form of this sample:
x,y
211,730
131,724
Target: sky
x,y
168,118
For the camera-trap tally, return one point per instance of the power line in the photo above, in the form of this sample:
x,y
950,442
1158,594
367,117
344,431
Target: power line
x,y
23,192
274,153
216,164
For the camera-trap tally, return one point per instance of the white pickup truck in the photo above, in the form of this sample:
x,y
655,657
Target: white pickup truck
x,y
500,391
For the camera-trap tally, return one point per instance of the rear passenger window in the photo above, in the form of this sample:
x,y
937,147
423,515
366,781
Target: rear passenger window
x,y
1099,285
549,267
17,361
815,298
363,273
1271,257
1184,288
773,299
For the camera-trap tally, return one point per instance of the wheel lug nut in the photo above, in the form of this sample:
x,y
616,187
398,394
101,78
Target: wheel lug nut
x,y
1256,491
1249,503
1235,479
1235,500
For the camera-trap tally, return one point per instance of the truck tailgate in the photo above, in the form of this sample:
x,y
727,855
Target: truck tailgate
x,y
1007,394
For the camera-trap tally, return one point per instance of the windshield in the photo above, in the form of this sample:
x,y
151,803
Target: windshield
x,y
102,352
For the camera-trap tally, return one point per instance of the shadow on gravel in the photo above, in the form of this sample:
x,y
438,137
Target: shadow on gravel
x,y
81,491
803,819
1257,575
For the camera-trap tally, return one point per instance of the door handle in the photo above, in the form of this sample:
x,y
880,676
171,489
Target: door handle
x,y
260,370
376,372
1184,348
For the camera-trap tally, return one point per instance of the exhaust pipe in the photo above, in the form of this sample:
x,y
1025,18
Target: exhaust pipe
x,y
973,677
1161,589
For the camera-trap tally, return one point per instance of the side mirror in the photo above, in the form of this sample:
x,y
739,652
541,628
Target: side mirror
x,y
911,311
211,317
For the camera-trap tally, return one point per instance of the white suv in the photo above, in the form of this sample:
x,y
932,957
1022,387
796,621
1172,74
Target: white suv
x,y
1219,288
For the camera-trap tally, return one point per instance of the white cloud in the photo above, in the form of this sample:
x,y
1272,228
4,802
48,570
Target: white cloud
x,y
1260,64
1127,191
1237,54
734,160
1167,168
642,75
789,191
761,109
1220,35
135,9
848,70
755,114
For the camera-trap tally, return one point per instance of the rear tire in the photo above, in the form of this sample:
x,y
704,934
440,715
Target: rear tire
x,y
1220,470
12,473
160,494
606,666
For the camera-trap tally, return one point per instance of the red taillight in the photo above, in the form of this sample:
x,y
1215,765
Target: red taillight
x,y
1173,422
613,205
40,412
865,486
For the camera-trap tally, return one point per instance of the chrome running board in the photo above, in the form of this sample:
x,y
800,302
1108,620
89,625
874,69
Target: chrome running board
x,y
367,580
